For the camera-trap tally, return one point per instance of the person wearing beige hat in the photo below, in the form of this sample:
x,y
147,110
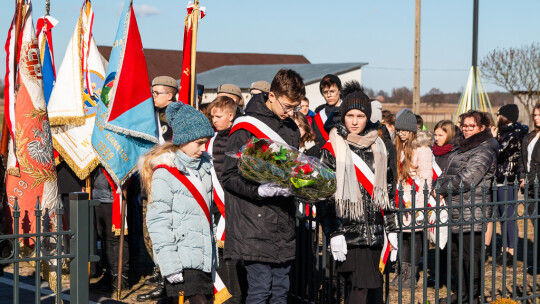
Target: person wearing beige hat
x,y
231,91
164,89
259,87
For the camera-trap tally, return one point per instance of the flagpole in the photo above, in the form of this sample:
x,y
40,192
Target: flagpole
x,y
195,20
5,128
121,247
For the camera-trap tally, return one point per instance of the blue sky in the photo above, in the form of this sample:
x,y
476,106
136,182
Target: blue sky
x,y
378,32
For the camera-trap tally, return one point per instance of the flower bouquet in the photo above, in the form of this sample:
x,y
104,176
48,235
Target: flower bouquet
x,y
265,161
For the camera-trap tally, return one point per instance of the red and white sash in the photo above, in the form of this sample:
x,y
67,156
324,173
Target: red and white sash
x,y
320,120
196,189
366,177
436,169
219,195
257,128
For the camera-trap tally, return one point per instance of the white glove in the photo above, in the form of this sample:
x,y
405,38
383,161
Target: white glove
x,y
338,245
392,238
420,218
271,190
175,278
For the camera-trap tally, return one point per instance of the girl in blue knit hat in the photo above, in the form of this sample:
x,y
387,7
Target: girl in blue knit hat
x,y
177,178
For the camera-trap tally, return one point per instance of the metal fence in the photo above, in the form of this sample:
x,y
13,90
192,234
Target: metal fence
x,y
48,246
465,270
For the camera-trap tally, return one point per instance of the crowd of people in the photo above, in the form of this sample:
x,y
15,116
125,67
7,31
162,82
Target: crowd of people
x,y
199,214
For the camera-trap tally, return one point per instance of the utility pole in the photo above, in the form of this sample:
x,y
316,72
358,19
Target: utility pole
x,y
475,41
416,88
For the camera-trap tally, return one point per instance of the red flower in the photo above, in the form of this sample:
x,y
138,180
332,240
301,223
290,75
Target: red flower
x,y
239,154
306,169
265,147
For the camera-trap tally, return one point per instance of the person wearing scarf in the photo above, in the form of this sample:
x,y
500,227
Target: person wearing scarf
x,y
353,219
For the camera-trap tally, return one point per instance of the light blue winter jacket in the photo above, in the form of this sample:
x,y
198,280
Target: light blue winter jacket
x,y
180,232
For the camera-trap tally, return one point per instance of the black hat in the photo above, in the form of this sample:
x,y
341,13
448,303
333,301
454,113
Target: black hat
x,y
332,79
509,111
355,98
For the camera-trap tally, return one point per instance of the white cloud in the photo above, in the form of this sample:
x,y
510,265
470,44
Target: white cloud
x,y
144,10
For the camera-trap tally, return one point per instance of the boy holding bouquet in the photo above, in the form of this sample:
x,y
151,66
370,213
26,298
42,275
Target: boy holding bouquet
x,y
260,217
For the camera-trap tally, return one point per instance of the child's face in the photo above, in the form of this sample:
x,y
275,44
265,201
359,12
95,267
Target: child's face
x,y
195,148
331,95
221,119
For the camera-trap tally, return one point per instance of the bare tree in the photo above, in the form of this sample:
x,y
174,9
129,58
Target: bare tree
x,y
433,97
517,70
402,96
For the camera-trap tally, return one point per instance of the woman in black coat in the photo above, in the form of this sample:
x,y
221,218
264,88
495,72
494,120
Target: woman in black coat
x,y
529,168
473,161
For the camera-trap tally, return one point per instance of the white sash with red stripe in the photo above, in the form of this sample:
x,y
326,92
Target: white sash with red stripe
x,y
443,215
219,195
257,128
436,169
196,188
320,120
366,177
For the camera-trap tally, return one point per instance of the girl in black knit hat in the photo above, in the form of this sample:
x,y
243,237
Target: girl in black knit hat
x,y
352,219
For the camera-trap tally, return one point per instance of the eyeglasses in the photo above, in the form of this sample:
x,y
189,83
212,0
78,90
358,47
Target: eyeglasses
x,y
403,131
156,93
288,108
471,127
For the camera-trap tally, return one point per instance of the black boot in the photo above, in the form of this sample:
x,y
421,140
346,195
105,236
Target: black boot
x,y
154,278
154,294
406,271
114,283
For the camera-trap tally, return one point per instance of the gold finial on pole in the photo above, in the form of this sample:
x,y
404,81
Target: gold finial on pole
x,y
47,7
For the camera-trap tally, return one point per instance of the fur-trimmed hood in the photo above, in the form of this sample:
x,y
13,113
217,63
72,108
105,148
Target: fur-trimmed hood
x,y
423,139
176,160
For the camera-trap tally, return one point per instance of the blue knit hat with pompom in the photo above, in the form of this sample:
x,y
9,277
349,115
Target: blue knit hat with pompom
x,y
187,123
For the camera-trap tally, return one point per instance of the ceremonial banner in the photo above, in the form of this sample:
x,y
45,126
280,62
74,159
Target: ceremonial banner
x,y
33,172
188,87
73,104
43,28
125,126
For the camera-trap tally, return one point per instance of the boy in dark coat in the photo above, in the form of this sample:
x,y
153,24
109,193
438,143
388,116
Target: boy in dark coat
x,y
260,228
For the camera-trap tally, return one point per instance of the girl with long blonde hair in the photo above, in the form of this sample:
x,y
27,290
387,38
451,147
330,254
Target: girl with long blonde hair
x,y
415,172
177,178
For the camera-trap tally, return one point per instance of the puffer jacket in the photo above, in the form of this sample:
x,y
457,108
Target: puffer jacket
x,y
370,230
259,229
509,138
180,232
421,173
474,160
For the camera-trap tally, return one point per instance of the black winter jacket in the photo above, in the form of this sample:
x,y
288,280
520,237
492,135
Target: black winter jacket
x,y
524,159
370,230
258,229
474,159
509,138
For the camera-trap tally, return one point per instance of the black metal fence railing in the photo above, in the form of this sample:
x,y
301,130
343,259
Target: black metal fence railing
x,y
48,246
471,245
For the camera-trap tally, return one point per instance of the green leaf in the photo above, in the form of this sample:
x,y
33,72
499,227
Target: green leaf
x,y
299,183
281,155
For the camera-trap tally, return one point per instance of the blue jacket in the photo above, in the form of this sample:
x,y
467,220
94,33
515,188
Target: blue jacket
x,y
180,232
